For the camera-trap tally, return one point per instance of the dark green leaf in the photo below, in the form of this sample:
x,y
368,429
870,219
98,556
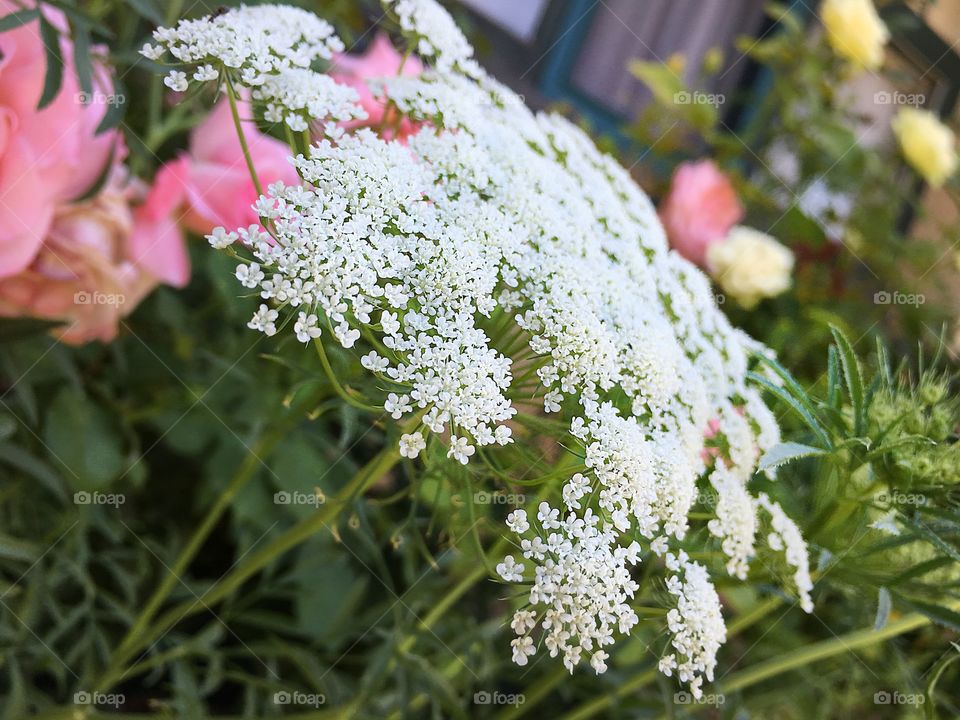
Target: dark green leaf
x,y
147,9
81,58
53,79
18,18
928,534
36,468
115,108
78,18
81,437
12,548
833,378
12,329
789,382
853,376
804,413
787,452
939,614
930,706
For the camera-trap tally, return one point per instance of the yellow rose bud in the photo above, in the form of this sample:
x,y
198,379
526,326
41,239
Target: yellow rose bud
x,y
750,265
855,31
926,143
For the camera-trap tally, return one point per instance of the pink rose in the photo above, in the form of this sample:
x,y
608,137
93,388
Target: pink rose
x,y
380,60
700,209
46,157
86,272
211,183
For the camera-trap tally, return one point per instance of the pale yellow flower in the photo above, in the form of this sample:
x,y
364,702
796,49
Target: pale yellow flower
x,y
926,143
855,31
750,265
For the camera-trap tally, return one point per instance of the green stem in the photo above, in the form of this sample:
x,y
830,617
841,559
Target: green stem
x,y
372,471
232,97
332,377
825,649
247,468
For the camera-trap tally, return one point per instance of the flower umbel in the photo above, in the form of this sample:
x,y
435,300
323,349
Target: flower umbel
x,y
494,267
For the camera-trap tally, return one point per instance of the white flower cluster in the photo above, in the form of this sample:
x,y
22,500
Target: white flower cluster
x,y
583,579
300,96
785,536
255,41
736,520
696,623
433,33
496,257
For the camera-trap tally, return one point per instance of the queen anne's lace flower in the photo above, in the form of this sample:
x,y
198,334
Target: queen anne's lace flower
x,y
785,537
433,33
300,96
253,41
695,623
736,520
496,257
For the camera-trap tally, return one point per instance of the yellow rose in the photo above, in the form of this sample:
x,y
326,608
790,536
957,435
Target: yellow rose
x,y
926,143
750,265
855,31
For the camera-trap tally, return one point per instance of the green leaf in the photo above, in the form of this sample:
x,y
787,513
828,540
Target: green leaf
x,y
670,91
78,18
883,363
115,108
789,382
12,329
932,537
940,615
322,615
930,706
833,378
18,18
81,58
854,378
80,436
37,469
787,452
53,79
12,548
146,9
790,400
